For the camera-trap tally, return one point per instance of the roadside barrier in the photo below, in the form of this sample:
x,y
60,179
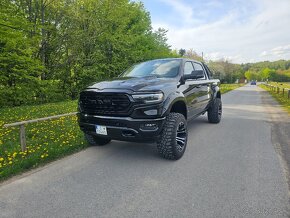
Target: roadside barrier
x,y
22,126
278,90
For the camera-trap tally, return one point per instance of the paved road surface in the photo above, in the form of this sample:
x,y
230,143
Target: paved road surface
x,y
229,170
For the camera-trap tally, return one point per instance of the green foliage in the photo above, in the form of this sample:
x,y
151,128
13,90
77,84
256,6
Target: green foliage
x,y
265,73
268,71
59,47
262,71
182,52
229,87
19,69
250,75
225,71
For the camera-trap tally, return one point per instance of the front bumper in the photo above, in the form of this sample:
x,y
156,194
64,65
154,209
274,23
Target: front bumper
x,y
123,128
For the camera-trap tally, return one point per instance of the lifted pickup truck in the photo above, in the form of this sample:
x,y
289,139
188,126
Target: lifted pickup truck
x,y
150,102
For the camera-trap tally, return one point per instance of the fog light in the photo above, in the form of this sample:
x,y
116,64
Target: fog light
x,y
149,126
151,112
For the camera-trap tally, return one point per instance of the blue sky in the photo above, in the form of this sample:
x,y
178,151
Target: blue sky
x,y
240,31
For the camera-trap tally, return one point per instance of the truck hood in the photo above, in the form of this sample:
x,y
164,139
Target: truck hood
x,y
151,83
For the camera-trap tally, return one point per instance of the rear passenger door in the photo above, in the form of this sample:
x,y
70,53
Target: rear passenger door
x,y
204,89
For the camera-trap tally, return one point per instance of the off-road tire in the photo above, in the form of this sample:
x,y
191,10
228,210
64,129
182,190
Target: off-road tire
x,y
95,140
167,145
214,113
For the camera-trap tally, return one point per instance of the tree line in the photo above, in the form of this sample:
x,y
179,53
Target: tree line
x,y
277,71
227,72
51,49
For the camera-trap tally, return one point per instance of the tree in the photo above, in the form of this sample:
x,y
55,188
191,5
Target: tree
x,y
19,69
226,71
193,55
265,73
182,52
250,75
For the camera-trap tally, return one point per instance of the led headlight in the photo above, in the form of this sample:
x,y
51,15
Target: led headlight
x,y
148,98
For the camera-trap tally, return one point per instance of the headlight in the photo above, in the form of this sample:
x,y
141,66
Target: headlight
x,y
148,98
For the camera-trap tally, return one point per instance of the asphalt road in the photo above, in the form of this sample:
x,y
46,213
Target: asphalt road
x,y
233,169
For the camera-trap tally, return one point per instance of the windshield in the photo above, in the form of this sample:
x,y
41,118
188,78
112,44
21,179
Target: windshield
x,y
158,68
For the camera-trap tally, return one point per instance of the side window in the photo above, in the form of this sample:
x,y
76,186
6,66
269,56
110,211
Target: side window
x,y
199,67
209,73
188,68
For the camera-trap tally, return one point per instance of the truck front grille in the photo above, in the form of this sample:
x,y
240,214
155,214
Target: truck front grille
x,y
98,103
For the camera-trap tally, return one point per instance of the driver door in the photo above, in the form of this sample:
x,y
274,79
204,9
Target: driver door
x,y
191,91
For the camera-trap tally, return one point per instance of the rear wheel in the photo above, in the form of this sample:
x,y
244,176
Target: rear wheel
x,y
95,140
173,139
214,113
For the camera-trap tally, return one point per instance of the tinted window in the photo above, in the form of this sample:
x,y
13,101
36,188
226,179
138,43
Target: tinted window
x,y
209,73
188,68
198,67
159,68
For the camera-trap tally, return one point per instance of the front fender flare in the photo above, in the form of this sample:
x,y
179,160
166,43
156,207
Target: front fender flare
x,y
171,100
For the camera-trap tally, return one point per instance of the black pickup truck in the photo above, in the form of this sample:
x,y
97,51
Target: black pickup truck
x,y
150,102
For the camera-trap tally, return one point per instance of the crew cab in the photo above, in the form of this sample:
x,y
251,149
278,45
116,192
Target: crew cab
x,y
151,101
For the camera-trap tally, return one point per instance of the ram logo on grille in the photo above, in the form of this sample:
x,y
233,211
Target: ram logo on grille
x,y
105,103
101,101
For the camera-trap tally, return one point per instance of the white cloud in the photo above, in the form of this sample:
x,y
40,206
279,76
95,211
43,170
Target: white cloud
x,y
239,35
214,3
185,13
215,56
280,51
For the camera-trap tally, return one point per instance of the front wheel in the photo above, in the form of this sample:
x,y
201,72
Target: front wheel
x,y
214,113
172,142
95,140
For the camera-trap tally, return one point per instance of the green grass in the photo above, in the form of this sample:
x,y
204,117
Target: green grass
x,y
46,140
283,100
228,87
281,84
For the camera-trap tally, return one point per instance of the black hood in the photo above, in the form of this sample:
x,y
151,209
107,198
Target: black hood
x,y
137,84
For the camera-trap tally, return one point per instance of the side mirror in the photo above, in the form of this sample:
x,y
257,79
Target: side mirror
x,y
196,74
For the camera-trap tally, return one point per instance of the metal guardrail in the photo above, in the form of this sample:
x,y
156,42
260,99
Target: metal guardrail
x,y
22,126
279,89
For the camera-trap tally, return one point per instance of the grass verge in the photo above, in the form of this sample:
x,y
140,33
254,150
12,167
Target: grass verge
x,y
283,100
228,87
281,84
46,140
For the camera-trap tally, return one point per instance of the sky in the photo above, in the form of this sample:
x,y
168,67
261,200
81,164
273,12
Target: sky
x,y
240,31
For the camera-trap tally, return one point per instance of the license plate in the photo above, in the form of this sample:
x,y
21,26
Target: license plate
x,y
102,130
